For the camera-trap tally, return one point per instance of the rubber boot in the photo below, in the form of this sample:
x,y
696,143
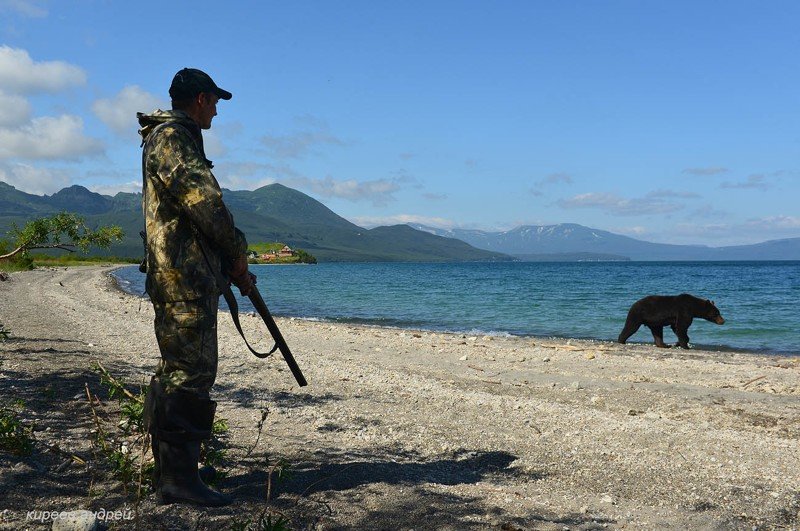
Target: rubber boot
x,y
180,481
207,473
178,423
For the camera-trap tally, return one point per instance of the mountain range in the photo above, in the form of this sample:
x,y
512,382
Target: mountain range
x,y
276,213
571,241
273,213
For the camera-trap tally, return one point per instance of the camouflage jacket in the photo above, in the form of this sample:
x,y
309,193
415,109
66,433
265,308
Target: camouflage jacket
x,y
182,202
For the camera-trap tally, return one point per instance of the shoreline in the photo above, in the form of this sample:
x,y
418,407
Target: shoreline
x,y
410,429
492,333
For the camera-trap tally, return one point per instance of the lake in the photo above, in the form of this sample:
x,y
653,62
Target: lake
x,y
587,300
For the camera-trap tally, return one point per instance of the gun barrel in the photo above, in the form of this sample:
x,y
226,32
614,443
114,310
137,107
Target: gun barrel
x,y
272,326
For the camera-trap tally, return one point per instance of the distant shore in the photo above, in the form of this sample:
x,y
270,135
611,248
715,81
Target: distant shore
x,y
413,429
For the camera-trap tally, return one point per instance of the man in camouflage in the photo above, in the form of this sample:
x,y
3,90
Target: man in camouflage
x,y
191,244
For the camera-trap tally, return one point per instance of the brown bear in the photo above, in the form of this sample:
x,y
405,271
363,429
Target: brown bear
x,y
677,311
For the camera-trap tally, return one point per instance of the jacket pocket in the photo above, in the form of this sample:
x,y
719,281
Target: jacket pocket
x,y
192,314
177,284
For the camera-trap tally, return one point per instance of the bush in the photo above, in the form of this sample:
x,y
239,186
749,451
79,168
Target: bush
x,y
15,437
20,262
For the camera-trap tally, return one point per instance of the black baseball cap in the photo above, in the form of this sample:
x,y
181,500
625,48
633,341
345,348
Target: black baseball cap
x,y
190,82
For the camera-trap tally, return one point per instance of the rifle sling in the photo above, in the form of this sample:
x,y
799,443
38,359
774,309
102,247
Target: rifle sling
x,y
230,298
263,311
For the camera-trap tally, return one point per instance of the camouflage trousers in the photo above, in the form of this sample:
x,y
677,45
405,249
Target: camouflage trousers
x,y
187,337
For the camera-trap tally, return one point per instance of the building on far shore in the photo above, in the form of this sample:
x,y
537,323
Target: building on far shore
x,y
285,252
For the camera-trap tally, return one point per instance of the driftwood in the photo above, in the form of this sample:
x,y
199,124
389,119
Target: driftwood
x,y
748,382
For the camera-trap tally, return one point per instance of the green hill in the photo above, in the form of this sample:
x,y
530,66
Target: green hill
x,y
270,213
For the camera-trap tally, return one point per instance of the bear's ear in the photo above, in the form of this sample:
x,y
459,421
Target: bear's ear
x,y
712,303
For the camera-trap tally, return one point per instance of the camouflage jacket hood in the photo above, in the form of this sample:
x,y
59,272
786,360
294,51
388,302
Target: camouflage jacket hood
x,y
182,205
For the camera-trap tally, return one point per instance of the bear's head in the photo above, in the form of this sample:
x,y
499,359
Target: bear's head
x,y
711,313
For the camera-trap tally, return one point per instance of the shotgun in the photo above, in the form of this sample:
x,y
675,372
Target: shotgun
x,y
263,311
280,343
261,307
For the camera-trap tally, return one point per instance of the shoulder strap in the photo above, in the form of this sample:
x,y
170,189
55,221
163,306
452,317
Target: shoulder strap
x,y
230,298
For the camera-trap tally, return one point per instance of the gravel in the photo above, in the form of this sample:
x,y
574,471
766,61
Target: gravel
x,y
403,429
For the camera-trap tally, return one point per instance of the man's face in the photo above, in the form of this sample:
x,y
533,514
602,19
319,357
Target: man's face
x,y
207,110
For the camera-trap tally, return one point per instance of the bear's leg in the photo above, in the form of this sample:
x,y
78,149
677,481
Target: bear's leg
x,y
675,331
630,328
658,335
681,330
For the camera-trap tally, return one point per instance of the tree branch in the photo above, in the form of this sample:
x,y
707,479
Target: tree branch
x,y
62,246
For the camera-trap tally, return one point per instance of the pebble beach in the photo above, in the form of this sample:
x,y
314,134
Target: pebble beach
x,y
405,429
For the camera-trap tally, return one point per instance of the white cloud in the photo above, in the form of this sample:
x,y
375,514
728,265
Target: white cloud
x,y
379,191
213,145
694,229
434,197
376,221
48,138
299,144
636,230
19,74
26,8
14,110
35,180
238,182
655,194
753,182
119,111
712,170
754,230
251,175
709,211
113,188
555,178
790,223
652,203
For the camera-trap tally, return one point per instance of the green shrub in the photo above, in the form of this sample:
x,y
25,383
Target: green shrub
x,y
15,437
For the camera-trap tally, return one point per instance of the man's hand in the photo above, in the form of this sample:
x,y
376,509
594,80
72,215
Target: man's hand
x,y
241,277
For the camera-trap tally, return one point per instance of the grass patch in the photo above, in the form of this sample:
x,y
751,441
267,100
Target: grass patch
x,y
122,444
15,437
127,451
213,452
265,522
21,262
74,259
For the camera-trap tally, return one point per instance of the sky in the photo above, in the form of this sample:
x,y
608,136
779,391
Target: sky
x,y
668,121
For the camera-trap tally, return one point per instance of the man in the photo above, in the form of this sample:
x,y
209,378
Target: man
x,y
191,244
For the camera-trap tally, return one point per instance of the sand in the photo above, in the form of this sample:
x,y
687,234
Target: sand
x,y
402,429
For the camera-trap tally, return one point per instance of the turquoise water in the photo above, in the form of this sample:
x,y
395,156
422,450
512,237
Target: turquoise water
x,y
577,299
